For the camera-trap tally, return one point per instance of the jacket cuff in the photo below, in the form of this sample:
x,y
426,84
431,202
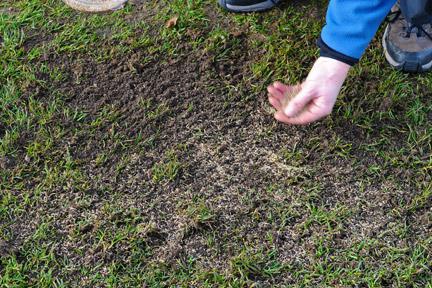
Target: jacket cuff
x,y
326,51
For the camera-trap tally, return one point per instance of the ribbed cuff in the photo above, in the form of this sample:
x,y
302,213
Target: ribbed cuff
x,y
326,51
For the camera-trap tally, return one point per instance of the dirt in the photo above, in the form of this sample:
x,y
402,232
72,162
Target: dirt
x,y
230,150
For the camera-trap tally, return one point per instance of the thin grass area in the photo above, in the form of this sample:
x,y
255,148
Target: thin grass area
x,y
133,154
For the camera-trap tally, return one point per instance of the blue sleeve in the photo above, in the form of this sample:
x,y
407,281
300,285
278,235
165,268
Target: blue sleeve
x,y
351,24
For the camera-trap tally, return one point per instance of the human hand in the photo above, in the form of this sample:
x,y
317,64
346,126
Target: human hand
x,y
317,95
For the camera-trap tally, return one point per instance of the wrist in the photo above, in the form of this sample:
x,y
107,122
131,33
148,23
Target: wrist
x,y
326,51
329,69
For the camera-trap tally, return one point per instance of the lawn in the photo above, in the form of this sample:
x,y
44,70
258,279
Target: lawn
x,y
139,154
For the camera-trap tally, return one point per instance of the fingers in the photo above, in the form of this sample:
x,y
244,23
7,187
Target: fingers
x,y
275,92
301,110
275,102
312,114
303,119
280,116
280,86
279,91
298,103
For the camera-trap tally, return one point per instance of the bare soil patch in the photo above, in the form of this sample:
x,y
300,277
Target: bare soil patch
x,y
236,182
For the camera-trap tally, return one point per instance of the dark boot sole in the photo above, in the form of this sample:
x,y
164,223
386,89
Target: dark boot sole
x,y
266,5
409,67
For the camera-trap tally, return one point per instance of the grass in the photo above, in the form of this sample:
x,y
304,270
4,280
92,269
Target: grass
x,y
110,196
167,170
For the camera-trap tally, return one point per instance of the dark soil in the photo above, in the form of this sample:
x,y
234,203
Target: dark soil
x,y
163,159
232,161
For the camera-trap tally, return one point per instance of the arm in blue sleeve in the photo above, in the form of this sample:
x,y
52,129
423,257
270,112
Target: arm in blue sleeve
x,y
351,25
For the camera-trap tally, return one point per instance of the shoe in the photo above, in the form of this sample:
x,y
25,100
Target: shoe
x,y
247,5
407,47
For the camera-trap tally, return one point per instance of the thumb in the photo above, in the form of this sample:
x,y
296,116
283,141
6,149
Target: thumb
x,y
298,103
